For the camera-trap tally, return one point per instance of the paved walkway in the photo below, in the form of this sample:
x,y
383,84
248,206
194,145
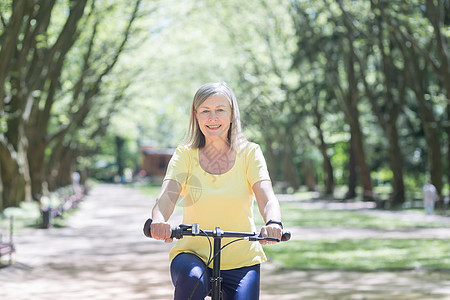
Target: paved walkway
x,y
103,254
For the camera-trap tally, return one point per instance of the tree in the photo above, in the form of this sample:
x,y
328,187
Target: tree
x,y
87,89
28,63
37,39
434,51
336,58
386,102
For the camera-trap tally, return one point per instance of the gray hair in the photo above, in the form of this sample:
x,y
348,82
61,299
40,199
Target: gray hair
x,y
194,137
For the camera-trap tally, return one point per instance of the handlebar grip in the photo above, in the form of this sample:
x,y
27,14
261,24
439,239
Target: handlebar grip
x,y
176,232
286,236
147,228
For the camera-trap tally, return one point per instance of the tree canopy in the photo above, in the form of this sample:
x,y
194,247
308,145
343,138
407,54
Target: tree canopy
x,y
337,92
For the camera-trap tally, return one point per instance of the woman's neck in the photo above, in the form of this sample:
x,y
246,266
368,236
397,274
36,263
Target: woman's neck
x,y
217,146
216,158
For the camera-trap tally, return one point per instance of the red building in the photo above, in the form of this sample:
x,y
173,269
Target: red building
x,y
155,161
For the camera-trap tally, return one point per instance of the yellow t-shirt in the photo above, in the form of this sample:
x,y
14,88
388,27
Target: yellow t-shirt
x,y
224,201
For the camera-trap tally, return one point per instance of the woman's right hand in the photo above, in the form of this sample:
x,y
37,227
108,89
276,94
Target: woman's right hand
x,y
161,231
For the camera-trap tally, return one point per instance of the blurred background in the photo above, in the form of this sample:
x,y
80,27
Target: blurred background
x,y
349,100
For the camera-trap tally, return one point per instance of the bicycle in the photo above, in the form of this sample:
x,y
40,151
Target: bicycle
x,y
194,230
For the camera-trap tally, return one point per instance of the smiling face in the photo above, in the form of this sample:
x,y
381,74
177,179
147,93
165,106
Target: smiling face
x,y
214,117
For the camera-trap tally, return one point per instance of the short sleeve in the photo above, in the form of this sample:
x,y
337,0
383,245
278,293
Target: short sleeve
x,y
256,165
178,168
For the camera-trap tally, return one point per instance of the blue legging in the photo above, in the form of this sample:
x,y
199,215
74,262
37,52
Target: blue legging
x,y
237,284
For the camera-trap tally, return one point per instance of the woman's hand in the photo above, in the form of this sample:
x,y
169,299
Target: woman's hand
x,y
271,230
161,231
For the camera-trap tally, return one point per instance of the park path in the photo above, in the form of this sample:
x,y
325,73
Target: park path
x,y
102,254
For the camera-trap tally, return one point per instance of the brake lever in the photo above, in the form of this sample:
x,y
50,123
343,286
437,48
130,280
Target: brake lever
x,y
286,236
260,238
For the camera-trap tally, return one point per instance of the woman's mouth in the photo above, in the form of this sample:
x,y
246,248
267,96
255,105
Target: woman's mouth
x,y
213,126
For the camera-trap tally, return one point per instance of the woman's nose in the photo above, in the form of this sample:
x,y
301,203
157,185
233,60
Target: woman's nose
x,y
212,115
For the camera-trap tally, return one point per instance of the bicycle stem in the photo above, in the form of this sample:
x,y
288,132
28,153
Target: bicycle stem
x,y
216,280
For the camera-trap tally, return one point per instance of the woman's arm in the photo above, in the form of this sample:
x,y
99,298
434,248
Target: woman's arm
x,y
163,209
269,208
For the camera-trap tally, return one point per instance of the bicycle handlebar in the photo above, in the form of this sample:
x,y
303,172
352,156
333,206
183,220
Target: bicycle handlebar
x,y
187,230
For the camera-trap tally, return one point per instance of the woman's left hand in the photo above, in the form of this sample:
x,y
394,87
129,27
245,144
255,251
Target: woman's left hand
x,y
273,231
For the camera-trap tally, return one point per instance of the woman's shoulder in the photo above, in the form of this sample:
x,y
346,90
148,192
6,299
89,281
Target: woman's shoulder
x,y
184,148
248,148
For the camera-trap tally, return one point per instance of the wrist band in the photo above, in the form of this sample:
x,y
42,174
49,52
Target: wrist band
x,y
275,222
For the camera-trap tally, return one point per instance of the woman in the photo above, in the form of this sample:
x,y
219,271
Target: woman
x,y
217,172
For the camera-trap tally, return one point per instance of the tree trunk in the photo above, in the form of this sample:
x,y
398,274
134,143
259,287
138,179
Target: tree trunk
x,y
396,163
309,174
270,158
289,172
360,159
119,157
328,174
355,127
352,174
14,175
327,167
14,184
429,123
448,139
434,153
13,148
1,190
66,166
36,160
52,167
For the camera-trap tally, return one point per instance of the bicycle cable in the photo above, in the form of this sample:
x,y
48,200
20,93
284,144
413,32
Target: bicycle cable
x,y
210,260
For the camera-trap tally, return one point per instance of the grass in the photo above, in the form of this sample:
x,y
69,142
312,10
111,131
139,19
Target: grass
x,y
153,190
357,254
150,190
29,215
294,216
362,254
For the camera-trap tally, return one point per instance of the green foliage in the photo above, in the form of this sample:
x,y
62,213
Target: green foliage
x,y
382,176
339,161
287,62
362,254
26,215
29,214
186,44
149,189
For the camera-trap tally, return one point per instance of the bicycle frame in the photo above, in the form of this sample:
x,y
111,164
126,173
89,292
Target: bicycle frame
x,y
217,234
